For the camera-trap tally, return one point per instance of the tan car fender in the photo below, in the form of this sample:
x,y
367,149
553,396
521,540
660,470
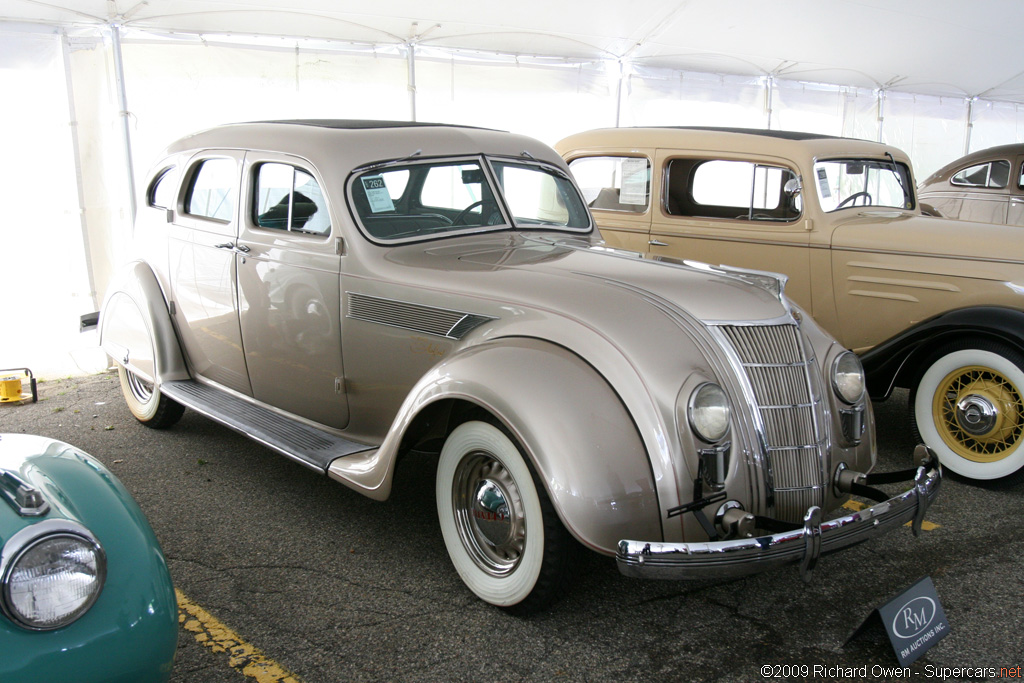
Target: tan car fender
x,y
135,326
578,435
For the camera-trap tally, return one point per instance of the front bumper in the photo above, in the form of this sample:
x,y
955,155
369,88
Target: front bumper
x,y
725,559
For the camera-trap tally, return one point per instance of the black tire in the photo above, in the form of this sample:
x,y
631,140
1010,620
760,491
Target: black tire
x,y
147,402
501,530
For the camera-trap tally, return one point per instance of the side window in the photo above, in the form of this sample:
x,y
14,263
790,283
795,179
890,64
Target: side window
x,y
994,174
614,183
211,193
288,198
162,190
719,188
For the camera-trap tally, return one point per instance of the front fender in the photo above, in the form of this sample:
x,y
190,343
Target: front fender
x,y
571,424
131,633
135,326
895,362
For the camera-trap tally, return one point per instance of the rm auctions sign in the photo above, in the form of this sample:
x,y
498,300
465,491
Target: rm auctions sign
x,y
914,620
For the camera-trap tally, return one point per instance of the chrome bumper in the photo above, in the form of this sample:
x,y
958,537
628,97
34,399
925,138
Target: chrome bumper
x,y
725,559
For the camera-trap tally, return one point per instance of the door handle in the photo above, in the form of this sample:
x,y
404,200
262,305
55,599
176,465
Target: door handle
x,y
234,247
658,243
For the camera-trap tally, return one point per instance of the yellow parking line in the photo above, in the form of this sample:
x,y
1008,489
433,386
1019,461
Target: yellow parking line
x,y
856,506
242,656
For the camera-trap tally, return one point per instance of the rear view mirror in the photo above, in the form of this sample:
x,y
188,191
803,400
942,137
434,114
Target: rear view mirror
x,y
472,175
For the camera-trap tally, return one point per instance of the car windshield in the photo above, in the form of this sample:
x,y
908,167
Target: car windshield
x,y
845,183
404,201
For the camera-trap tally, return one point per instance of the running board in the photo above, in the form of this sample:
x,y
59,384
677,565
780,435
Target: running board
x,y
303,443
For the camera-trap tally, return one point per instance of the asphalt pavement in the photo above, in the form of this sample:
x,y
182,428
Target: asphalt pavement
x,y
298,572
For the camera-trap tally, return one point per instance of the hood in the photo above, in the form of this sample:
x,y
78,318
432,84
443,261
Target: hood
x,y
905,232
584,279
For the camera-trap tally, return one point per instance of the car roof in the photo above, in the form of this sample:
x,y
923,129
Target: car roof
x,y
345,144
782,143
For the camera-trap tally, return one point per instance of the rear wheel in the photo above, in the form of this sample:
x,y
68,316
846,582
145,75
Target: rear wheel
x,y
501,531
968,406
147,403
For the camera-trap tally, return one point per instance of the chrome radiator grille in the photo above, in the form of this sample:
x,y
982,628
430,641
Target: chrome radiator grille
x,y
779,375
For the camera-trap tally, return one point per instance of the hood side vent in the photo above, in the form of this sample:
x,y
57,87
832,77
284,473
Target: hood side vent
x,y
439,322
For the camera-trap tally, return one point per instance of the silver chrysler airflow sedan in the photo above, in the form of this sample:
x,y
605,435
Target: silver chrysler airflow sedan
x,y
346,292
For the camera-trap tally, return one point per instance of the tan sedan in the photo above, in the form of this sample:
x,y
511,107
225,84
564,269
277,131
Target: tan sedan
x,y
348,292
931,304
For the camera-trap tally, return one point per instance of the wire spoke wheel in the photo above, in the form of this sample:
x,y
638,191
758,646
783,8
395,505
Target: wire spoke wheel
x,y
979,413
968,406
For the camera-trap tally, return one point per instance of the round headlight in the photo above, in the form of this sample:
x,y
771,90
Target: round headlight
x,y
848,377
52,579
709,412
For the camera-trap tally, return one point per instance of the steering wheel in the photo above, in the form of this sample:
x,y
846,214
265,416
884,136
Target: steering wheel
x,y
853,198
465,212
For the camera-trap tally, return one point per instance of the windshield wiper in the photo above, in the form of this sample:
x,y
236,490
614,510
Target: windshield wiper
x,y
899,179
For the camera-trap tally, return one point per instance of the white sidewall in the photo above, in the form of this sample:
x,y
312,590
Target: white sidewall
x,y
143,412
516,586
926,426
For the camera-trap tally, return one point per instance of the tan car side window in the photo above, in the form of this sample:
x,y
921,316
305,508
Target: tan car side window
x,y
612,183
288,198
721,188
211,193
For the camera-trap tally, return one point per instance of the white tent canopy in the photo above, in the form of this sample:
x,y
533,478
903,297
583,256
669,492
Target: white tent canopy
x,y
934,77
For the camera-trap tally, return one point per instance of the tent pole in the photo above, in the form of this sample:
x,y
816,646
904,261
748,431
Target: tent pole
x,y
970,125
619,92
77,154
410,48
881,114
122,103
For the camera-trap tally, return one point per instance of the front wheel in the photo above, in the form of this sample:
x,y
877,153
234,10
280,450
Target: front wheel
x,y
499,527
147,403
968,406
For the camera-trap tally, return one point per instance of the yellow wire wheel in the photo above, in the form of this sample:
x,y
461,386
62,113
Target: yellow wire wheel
x,y
979,413
968,406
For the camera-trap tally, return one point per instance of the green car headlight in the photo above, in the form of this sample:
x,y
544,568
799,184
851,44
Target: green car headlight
x,y
52,573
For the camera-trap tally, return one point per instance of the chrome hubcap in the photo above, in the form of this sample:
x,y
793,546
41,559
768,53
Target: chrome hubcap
x,y
141,390
489,513
976,415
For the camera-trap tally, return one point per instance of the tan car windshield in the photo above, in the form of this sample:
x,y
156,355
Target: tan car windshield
x,y
845,183
408,201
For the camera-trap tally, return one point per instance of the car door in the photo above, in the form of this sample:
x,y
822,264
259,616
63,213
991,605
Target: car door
x,y
288,265
724,209
202,268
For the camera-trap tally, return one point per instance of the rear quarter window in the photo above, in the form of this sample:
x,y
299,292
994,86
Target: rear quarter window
x,y
211,194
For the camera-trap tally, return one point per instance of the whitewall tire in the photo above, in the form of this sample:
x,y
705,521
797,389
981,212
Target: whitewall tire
x,y
147,403
968,406
499,527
